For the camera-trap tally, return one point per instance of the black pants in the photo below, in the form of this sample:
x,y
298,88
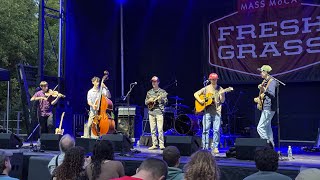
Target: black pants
x,y
46,124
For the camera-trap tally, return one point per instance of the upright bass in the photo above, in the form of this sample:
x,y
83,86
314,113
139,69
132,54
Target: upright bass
x,y
102,124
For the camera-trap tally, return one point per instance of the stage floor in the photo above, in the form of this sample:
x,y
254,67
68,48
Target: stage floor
x,y
230,168
301,158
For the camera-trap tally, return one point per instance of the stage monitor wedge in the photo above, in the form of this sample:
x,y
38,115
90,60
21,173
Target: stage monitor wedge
x,y
9,141
246,147
186,144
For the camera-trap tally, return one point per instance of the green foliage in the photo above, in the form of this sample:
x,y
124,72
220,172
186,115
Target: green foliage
x,y
19,44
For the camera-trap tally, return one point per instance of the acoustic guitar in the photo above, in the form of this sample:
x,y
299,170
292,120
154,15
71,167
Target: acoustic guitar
x,y
152,103
260,99
209,99
59,130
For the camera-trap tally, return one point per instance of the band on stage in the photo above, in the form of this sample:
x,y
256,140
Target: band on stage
x,y
208,103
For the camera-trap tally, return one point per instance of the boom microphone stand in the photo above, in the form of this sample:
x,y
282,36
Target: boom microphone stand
x,y
278,112
127,97
204,122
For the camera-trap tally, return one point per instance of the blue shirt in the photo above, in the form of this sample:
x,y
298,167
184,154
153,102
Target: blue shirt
x,y
5,177
270,101
52,163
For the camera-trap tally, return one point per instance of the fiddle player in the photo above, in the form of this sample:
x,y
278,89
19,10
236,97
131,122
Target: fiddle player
x,y
92,97
46,102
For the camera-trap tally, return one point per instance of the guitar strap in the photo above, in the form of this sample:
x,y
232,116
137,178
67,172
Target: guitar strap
x,y
269,81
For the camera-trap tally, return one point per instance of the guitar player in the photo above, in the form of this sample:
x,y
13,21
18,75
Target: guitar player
x,y
158,98
267,89
212,113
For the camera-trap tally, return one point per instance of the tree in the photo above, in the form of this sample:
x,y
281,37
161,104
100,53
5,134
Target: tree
x,y
19,44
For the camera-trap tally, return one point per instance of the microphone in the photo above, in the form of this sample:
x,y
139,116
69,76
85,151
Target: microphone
x,y
176,82
206,81
135,83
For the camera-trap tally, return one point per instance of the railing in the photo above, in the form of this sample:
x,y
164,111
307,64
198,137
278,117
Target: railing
x,y
78,124
14,124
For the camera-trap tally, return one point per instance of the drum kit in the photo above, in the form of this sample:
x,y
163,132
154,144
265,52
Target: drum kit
x,y
177,121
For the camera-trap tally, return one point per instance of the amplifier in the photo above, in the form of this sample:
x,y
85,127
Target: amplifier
x,y
127,110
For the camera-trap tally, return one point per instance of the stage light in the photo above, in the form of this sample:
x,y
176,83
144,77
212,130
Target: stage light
x,y
121,1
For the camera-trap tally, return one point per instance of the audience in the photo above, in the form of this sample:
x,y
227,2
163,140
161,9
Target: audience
x,y
72,167
266,160
150,169
171,155
309,174
66,142
102,165
5,165
202,165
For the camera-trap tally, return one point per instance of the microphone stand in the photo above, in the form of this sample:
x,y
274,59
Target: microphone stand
x,y
278,113
127,97
204,121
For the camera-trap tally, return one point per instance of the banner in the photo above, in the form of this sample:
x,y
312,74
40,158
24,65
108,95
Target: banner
x,y
282,33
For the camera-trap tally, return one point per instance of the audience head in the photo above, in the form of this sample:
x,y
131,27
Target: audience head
x,y
171,155
66,142
266,159
72,164
153,168
5,164
309,174
102,150
202,165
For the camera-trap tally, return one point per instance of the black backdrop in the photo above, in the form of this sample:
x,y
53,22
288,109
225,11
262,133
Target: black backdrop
x,y
168,39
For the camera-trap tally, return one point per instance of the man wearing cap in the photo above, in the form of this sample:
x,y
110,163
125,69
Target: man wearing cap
x,y
5,165
212,112
268,88
45,108
156,113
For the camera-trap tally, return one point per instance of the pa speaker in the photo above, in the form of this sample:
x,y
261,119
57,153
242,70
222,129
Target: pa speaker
x,y
38,168
9,141
50,142
121,143
186,144
86,143
16,162
246,147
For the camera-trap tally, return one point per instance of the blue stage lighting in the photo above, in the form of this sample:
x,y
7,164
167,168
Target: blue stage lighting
x,y
121,1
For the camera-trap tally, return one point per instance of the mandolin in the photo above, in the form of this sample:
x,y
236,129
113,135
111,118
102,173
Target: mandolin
x,y
209,99
152,103
260,99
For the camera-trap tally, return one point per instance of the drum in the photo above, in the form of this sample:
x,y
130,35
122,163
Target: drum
x,y
168,118
186,124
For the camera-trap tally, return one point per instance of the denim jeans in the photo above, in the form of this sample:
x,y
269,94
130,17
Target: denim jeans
x,y
264,127
206,123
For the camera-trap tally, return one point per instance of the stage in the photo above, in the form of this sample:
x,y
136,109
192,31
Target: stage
x,y
33,165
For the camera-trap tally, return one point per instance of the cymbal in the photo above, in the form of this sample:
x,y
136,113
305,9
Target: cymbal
x,y
180,106
176,98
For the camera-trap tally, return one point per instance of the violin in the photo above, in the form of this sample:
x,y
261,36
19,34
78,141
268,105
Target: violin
x,y
53,93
